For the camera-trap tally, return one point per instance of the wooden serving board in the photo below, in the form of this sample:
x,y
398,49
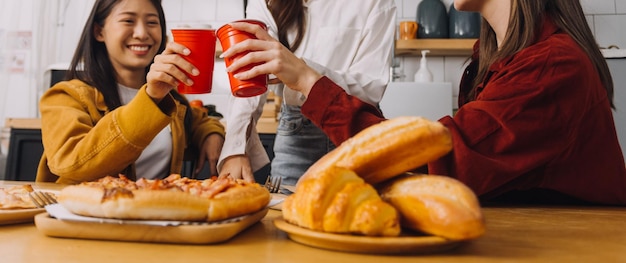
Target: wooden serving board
x,y
404,244
16,216
182,234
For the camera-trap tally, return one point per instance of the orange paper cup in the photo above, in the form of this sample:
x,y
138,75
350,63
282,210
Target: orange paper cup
x,y
201,42
241,88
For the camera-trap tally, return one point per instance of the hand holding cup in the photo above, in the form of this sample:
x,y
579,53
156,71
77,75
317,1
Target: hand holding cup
x,y
170,68
230,36
270,57
201,42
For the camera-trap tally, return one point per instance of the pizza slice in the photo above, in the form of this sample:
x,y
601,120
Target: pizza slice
x,y
16,197
172,198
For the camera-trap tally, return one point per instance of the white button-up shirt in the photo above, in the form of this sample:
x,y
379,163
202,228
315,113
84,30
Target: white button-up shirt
x,y
349,41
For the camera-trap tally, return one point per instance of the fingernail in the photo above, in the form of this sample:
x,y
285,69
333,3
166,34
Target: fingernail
x,y
189,82
186,51
195,72
221,55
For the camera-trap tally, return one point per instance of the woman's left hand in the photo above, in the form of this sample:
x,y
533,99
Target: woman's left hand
x,y
210,151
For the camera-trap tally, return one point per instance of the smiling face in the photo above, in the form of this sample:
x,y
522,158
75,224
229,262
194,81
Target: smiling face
x,y
132,35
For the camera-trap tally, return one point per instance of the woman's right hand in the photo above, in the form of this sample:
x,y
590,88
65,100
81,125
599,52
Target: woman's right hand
x,y
237,167
168,70
274,58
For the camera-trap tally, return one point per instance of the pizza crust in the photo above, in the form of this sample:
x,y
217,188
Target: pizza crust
x,y
82,200
237,201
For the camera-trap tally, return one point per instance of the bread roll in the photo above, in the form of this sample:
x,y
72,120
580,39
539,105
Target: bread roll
x,y
437,205
389,148
337,200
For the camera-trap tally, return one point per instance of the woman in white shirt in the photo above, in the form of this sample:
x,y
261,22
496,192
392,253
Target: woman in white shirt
x,y
349,41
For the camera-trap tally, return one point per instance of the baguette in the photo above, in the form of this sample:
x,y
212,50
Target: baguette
x,y
389,148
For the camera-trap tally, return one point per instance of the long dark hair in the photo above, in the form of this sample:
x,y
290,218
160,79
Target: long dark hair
x,y
288,14
91,63
524,24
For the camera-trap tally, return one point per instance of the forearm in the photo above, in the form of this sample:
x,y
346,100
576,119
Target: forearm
x,y
339,115
241,119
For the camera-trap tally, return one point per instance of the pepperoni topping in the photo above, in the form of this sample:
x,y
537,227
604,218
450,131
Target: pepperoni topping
x,y
122,187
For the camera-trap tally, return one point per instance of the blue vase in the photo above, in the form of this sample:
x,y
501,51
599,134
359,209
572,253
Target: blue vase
x,y
432,18
463,24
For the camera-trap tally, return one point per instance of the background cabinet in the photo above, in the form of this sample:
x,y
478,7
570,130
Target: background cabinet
x,y
267,139
25,150
617,66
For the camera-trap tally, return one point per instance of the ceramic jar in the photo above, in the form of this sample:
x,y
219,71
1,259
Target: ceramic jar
x,y
463,24
432,18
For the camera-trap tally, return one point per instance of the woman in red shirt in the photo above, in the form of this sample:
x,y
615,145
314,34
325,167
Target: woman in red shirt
x,y
534,122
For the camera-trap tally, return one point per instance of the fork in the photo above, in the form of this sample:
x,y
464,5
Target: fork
x,y
273,183
42,199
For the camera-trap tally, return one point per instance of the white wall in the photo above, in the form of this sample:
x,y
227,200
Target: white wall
x,y
20,91
16,43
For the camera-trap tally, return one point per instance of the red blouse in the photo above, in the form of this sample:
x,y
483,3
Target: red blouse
x,y
541,120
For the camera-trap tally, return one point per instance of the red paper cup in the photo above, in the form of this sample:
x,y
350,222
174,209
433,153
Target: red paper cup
x,y
201,43
241,88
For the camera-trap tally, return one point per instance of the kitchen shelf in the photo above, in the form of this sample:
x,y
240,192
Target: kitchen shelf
x,y
437,47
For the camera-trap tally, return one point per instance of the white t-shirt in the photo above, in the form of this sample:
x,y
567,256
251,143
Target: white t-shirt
x,y
154,161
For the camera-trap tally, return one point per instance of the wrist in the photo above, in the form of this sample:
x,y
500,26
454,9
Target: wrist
x,y
155,97
307,79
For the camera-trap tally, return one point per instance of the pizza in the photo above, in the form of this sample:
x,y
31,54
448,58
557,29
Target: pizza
x,y
16,197
172,198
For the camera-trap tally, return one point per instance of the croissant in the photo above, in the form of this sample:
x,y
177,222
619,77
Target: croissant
x,y
437,205
337,200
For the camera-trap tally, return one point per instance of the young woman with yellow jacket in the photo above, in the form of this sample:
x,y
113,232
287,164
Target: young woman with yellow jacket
x,y
113,117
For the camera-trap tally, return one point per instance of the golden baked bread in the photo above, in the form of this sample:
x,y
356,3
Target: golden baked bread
x,y
437,205
336,194
389,148
337,200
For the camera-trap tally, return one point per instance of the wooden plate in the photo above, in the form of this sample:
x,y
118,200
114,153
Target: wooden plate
x,y
183,234
15,216
362,244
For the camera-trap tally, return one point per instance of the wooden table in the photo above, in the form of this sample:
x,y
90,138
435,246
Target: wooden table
x,y
514,234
